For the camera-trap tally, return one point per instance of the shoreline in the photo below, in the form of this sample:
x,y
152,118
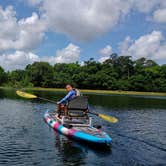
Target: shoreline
x,y
113,92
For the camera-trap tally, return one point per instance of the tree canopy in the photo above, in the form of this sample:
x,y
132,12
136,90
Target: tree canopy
x,y
116,73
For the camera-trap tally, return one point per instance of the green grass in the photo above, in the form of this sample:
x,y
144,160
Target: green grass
x,y
97,91
103,91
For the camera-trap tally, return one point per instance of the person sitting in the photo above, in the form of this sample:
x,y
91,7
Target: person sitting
x,y
62,104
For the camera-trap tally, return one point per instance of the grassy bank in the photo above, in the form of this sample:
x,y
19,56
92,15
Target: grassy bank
x,y
96,91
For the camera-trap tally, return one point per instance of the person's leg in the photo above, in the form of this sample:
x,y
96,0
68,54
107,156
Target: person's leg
x,y
60,108
65,110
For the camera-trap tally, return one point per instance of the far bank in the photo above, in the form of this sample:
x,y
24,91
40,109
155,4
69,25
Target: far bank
x,y
116,92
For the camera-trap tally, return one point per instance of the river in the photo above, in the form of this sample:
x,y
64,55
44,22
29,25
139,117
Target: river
x,y
139,138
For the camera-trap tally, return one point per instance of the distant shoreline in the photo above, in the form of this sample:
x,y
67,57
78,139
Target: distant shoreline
x,y
116,92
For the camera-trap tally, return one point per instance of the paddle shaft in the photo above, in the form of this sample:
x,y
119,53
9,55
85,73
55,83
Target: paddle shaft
x,y
41,98
93,113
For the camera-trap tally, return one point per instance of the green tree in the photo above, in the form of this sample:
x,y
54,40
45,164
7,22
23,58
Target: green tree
x,y
40,74
3,76
116,73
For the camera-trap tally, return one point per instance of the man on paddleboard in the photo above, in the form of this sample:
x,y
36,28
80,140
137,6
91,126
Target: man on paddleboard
x,y
62,104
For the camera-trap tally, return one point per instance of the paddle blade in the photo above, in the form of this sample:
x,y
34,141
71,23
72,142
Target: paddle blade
x,y
25,95
108,118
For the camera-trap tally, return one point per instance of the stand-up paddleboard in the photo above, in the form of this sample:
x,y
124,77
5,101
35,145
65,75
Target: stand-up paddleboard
x,y
77,129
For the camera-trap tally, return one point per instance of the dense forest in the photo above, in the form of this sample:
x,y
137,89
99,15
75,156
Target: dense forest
x,y
116,73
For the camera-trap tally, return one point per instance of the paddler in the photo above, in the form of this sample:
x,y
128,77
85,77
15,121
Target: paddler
x,y
62,104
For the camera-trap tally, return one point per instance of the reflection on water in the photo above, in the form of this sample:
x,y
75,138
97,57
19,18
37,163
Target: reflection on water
x,y
74,152
70,152
138,139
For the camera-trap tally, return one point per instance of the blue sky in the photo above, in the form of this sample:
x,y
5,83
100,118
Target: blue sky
x,y
62,32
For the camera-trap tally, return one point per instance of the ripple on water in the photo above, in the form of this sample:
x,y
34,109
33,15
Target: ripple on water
x,y
138,139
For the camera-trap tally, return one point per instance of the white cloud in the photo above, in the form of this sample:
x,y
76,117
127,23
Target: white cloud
x,y
145,6
84,20
151,46
124,45
106,50
68,55
103,58
29,20
81,20
160,15
105,53
8,22
24,34
155,9
19,59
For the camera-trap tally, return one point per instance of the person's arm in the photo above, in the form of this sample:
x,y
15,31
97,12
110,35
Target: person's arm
x,y
66,97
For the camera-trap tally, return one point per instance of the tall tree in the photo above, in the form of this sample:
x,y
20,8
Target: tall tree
x,y
40,74
3,76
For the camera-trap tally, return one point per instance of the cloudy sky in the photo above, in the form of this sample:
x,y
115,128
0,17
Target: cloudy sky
x,y
66,31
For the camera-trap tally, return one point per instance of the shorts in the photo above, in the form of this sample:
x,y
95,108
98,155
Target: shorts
x,y
64,103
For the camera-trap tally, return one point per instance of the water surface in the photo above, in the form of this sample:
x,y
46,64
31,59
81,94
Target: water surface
x,y
138,139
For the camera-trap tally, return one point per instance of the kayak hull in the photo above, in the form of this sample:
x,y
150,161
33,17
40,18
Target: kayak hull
x,y
98,137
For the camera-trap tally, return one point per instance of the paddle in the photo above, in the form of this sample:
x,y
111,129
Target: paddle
x,y
31,96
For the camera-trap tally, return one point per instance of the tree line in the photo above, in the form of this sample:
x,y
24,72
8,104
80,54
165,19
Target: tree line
x,y
116,73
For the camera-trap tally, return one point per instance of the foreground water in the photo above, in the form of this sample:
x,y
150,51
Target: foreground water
x,y
138,139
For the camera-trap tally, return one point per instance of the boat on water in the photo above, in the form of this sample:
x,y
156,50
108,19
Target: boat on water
x,y
78,125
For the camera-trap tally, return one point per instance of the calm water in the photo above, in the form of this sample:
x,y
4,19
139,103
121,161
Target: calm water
x,y
138,139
